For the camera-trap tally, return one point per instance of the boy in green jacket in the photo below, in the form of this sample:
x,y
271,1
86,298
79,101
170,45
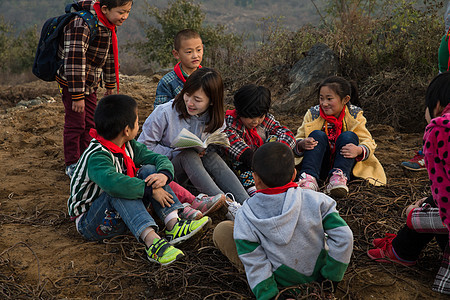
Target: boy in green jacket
x,y
117,179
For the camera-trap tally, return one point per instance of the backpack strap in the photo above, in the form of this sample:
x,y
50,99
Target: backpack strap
x,y
87,16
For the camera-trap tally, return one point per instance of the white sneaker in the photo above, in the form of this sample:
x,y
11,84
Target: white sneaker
x,y
233,206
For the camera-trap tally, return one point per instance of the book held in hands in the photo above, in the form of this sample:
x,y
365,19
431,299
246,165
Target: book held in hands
x,y
187,139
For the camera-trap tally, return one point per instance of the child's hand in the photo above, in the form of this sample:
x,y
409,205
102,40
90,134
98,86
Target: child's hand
x,y
308,144
351,151
163,197
156,180
416,204
78,106
201,154
108,92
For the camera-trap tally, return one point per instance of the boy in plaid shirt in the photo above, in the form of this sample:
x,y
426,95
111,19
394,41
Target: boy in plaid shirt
x,y
248,127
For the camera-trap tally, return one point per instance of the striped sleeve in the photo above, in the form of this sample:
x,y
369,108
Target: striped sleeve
x,y
339,240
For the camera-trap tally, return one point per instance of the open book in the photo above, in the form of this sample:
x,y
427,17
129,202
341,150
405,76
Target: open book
x,y
187,139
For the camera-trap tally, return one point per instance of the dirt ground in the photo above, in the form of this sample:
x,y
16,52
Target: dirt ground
x,y
42,255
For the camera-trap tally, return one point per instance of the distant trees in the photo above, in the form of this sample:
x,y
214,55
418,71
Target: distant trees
x,y
182,14
16,48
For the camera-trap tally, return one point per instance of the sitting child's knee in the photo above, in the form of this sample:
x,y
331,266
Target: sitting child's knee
x,y
146,170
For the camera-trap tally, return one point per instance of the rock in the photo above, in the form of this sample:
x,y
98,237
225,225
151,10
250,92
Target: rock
x,y
318,63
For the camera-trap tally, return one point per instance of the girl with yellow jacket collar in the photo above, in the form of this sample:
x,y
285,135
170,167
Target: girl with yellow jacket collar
x,y
333,141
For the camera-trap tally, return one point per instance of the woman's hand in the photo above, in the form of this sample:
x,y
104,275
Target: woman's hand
x,y
156,180
351,151
308,143
201,154
163,197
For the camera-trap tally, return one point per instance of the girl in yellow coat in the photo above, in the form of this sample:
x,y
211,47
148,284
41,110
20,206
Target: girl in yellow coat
x,y
333,141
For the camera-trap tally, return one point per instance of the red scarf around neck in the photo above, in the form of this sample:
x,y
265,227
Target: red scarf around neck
x,y
179,73
278,189
252,138
115,45
337,122
129,163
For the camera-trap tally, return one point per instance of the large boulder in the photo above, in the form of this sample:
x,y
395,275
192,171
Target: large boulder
x,y
318,63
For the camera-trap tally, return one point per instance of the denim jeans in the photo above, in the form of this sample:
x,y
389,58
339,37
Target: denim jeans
x,y
108,216
319,163
209,174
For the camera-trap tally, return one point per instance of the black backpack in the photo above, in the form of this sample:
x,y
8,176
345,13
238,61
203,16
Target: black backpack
x,y
46,62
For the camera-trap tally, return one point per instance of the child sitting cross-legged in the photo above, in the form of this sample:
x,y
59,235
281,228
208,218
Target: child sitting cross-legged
x,y
249,126
117,179
333,142
284,235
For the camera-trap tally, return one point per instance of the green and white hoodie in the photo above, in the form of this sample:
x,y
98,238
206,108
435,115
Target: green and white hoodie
x,y
289,238
99,170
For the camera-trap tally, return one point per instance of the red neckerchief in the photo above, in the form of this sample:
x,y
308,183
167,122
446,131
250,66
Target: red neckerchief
x,y
337,122
252,137
129,163
112,28
278,189
179,73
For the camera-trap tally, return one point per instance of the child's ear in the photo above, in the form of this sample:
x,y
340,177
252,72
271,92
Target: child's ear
x,y
346,99
127,131
438,110
175,54
104,9
294,174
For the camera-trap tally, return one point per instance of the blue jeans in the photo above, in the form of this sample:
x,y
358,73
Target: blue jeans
x,y
319,163
108,216
209,174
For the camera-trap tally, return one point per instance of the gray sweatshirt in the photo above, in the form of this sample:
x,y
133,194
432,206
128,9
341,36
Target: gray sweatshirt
x,y
291,238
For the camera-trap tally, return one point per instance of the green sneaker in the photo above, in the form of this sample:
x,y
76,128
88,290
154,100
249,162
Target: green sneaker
x,y
162,252
185,229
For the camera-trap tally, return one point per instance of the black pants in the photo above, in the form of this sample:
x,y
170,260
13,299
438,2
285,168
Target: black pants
x,y
409,243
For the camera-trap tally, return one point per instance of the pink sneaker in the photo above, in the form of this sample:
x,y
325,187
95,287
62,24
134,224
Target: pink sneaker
x,y
308,182
208,204
386,254
379,243
190,213
337,186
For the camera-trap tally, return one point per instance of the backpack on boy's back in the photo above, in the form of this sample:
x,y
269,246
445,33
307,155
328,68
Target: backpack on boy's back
x,y
46,61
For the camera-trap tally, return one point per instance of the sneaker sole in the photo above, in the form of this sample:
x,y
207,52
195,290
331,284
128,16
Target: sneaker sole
x,y
339,192
191,234
216,206
377,259
179,256
414,169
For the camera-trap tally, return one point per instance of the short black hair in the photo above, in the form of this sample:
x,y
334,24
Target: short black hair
x,y
252,101
113,114
274,164
184,34
110,4
438,92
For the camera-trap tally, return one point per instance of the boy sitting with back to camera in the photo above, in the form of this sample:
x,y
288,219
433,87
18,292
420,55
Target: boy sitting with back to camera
x,y
117,179
284,235
188,49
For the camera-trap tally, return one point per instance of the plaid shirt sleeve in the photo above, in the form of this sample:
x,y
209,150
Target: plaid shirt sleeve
x,y
283,134
235,132
76,42
109,74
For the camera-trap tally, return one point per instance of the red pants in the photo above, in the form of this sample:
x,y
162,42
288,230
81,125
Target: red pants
x,y
77,126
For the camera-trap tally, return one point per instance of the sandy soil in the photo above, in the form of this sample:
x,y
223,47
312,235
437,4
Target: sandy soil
x,y
42,255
